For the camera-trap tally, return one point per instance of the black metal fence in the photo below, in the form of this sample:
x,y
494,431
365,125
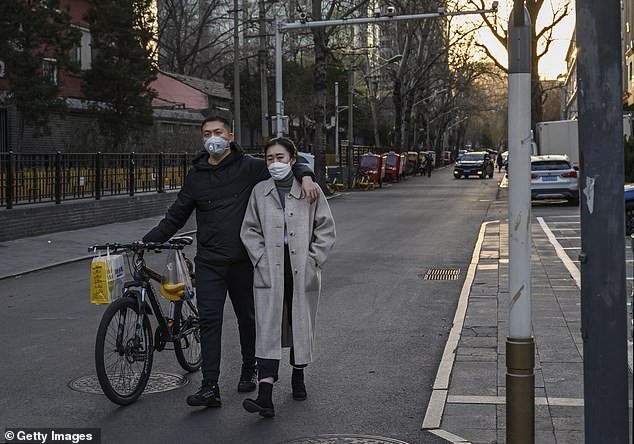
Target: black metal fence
x,y
35,178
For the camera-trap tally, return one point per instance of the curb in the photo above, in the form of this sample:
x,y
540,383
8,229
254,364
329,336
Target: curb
x,y
89,256
67,261
440,390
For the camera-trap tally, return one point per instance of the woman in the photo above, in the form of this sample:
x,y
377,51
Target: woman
x,y
288,240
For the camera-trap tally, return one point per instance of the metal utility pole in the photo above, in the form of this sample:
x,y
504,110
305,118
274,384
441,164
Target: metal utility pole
x,y
338,160
264,96
236,74
602,257
350,123
520,346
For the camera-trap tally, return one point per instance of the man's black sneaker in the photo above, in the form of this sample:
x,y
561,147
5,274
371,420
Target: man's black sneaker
x,y
248,380
297,384
208,395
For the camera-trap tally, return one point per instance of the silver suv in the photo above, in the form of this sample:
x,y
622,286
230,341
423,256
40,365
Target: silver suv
x,y
554,177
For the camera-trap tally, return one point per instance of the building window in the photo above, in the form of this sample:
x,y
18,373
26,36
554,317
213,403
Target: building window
x,y
49,70
81,52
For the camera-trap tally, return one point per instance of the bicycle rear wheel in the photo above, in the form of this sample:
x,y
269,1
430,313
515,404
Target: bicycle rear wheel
x,y
123,351
187,349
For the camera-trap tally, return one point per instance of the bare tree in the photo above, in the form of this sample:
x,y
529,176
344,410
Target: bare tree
x,y
321,41
541,41
194,37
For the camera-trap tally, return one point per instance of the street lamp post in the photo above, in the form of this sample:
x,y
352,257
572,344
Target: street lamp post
x,y
520,346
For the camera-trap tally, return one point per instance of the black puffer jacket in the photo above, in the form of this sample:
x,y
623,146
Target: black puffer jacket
x,y
220,194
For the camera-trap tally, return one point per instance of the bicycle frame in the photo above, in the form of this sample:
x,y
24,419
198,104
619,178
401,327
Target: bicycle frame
x,y
142,279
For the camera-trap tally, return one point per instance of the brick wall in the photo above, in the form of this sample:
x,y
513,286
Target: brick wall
x,y
33,220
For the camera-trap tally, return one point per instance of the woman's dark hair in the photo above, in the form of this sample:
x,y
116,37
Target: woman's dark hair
x,y
283,141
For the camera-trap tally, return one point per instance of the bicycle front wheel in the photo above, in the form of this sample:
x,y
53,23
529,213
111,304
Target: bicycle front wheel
x,y
187,349
124,351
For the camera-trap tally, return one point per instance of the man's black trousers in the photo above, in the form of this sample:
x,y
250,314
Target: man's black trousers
x,y
212,284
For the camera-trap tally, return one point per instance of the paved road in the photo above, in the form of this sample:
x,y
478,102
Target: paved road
x,y
380,335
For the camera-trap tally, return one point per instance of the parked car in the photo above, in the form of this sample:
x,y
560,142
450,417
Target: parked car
x,y
306,158
554,177
477,163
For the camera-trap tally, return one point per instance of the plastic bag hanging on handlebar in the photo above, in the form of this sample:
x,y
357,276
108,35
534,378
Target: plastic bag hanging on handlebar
x,y
176,284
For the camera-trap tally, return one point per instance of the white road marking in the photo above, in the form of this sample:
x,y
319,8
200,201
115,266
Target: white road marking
x,y
501,400
453,439
572,269
436,407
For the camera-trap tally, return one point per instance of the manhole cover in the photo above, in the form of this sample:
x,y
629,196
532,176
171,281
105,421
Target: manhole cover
x,y
158,382
442,274
344,439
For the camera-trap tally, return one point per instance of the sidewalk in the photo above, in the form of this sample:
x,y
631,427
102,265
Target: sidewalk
x,y
35,253
468,403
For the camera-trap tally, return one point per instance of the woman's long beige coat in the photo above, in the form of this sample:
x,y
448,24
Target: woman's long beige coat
x,y
311,236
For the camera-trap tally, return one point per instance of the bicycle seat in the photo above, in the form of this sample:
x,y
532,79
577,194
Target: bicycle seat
x,y
181,240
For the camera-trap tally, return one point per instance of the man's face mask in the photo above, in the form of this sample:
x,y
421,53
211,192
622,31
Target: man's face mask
x,y
216,146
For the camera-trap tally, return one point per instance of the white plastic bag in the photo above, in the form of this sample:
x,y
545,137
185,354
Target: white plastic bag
x,y
177,283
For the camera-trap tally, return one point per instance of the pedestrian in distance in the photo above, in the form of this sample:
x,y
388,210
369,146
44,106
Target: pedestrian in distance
x,y
218,187
288,240
500,161
429,163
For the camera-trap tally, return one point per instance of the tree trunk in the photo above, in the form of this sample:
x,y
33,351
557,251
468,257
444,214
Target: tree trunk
x,y
398,114
375,123
406,125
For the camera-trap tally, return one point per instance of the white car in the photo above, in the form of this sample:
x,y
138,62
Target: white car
x,y
306,158
554,177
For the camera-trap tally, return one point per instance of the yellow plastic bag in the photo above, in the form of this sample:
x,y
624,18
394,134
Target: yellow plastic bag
x,y
99,288
107,276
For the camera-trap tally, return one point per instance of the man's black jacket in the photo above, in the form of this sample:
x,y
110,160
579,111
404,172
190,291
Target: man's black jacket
x,y
220,194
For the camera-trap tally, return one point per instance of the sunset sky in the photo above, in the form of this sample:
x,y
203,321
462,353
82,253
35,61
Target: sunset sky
x,y
553,63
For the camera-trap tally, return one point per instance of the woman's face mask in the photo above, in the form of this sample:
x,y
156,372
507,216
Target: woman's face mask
x,y
279,170
216,146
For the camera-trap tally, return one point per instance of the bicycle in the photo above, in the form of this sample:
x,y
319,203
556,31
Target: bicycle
x,y
336,184
363,182
125,343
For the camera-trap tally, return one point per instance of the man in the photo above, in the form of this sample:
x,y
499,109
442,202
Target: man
x,y
429,161
218,186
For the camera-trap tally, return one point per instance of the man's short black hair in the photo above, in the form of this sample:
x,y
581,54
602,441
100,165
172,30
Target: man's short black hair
x,y
216,118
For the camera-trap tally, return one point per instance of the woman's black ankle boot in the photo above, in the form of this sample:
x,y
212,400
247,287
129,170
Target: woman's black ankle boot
x,y
263,404
297,384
